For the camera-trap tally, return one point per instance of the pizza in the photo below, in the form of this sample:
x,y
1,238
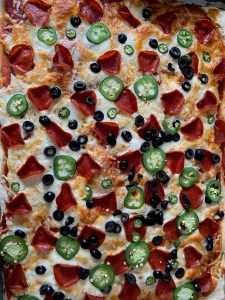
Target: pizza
x,y
112,150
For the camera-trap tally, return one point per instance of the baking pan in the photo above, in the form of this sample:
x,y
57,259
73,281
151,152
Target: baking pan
x,y
216,3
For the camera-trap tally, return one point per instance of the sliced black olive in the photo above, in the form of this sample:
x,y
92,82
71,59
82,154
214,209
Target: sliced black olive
x,y
79,86
146,13
139,121
95,253
175,52
203,78
44,120
48,179
75,21
50,151
28,126
98,116
95,68
55,92
153,43
122,38
72,124
49,196
189,154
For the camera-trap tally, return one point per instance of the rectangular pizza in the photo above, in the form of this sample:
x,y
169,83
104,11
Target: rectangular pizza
x,y
112,118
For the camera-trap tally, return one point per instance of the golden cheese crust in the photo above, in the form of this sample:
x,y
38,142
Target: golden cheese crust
x,y
35,63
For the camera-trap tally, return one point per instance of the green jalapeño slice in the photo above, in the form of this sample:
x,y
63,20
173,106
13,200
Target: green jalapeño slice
x,y
128,49
63,113
27,297
188,177
98,33
67,247
47,35
187,222
185,291
102,276
88,193
170,125
13,249
163,48
146,88
15,186
111,87
213,190
137,253
184,38
154,160
70,34
134,198
64,167
17,105
112,113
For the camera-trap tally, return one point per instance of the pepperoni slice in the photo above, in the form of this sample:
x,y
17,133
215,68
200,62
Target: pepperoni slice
x,y
129,229
86,166
129,291
193,258
5,70
208,227
15,277
106,202
164,290
128,17
62,59
65,200
158,259
91,11
158,191
172,102
118,262
31,167
21,58
193,129
43,240
194,63
133,158
110,62
219,129
127,102
90,297
14,11
206,283
194,194
220,68
204,30
206,163
87,231
80,100
149,124
40,97
148,61
66,275
37,12
171,231
208,101
221,88
19,205
165,21
10,135
58,135
102,129
175,161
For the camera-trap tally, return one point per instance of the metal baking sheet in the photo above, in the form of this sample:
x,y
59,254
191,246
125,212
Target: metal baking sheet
x,y
217,3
